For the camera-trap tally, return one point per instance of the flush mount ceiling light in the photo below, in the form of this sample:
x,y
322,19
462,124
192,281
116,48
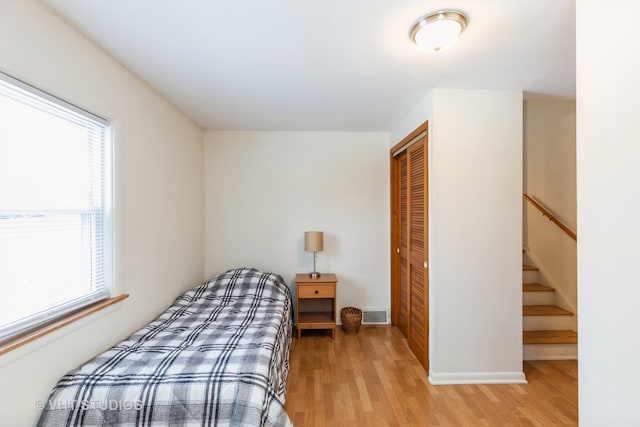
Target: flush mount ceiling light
x,y
438,30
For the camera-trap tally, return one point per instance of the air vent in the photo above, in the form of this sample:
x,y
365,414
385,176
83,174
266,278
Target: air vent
x,y
374,316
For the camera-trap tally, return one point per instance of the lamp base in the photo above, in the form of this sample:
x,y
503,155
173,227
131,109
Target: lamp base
x,y
314,275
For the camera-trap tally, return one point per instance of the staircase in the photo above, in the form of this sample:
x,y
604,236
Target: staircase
x,y
548,330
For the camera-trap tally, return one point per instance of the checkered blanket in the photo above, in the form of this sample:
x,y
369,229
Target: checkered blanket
x,y
219,356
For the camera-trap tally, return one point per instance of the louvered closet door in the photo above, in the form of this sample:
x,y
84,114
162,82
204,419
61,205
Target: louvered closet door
x,y
417,251
409,238
403,191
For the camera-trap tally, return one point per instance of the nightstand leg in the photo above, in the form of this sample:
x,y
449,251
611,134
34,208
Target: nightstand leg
x,y
299,330
333,333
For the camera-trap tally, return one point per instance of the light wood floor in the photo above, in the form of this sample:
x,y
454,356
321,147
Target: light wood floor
x,y
372,379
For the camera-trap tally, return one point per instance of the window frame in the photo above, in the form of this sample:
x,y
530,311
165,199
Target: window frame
x,y
53,318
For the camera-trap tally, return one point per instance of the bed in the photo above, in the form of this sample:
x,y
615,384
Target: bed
x,y
218,356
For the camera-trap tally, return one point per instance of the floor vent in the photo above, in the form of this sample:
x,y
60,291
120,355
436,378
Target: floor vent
x,y
374,316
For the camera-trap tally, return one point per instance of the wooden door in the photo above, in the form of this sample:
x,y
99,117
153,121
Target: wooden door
x,y
403,191
409,239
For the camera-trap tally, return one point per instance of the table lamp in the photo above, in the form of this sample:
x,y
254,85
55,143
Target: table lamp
x,y
313,242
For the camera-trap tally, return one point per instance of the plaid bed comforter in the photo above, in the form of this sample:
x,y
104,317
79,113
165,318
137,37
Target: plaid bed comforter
x,y
219,356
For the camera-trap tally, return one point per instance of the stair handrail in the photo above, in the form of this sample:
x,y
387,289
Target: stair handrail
x,y
551,217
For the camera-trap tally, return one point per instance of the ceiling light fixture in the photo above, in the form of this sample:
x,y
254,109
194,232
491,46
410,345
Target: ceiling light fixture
x,y
438,30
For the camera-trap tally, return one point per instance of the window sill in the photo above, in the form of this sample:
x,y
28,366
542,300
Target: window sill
x,y
41,331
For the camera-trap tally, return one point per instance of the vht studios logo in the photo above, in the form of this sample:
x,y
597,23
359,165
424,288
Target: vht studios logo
x,y
85,405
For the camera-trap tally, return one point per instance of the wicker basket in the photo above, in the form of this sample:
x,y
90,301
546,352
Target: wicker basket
x,y
351,318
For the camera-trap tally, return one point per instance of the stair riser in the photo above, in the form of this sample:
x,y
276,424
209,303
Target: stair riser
x,y
529,277
541,323
538,298
550,352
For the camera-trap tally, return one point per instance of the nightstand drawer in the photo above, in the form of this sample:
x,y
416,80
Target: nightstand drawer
x,y
316,291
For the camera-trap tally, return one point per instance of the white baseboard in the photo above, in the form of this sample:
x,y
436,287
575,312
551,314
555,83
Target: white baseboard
x,y
477,378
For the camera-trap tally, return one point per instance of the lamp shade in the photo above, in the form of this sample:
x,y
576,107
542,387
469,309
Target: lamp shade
x,y
313,241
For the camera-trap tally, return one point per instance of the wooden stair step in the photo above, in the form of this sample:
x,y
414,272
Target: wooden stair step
x,y
536,287
544,310
529,268
549,337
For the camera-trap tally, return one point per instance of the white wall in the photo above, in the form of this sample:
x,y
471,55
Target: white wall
x,y
421,112
550,177
550,155
476,241
265,189
159,206
608,108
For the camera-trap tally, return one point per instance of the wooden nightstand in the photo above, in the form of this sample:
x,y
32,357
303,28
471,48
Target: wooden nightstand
x,y
316,302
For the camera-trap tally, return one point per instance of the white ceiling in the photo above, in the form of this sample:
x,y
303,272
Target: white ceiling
x,y
340,65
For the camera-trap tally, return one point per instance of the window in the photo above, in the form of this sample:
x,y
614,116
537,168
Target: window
x,y
55,208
